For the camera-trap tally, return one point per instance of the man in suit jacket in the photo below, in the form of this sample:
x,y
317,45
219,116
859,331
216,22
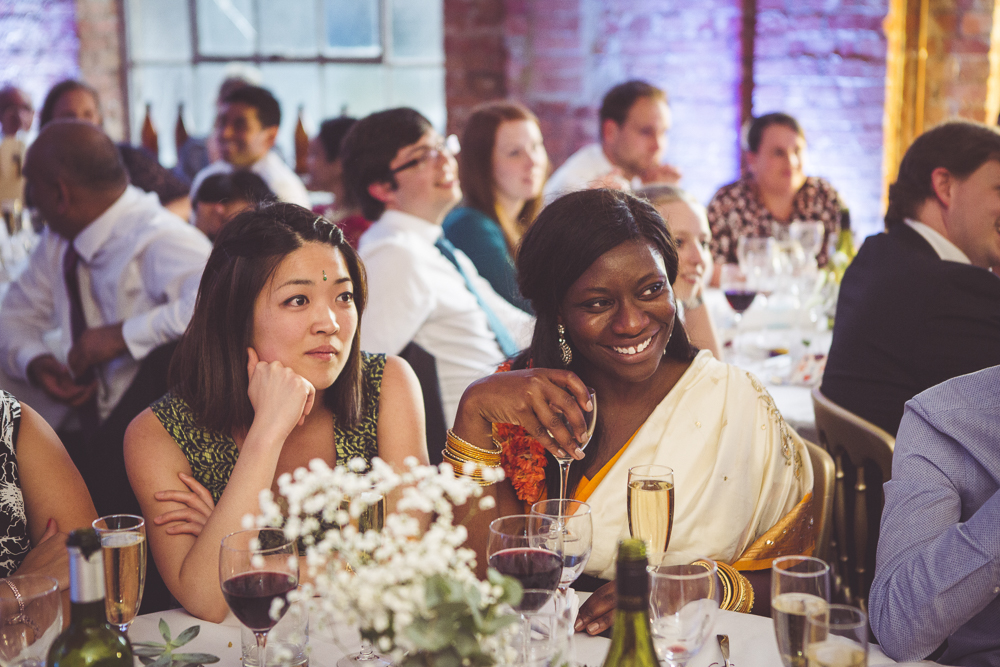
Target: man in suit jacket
x,y
919,304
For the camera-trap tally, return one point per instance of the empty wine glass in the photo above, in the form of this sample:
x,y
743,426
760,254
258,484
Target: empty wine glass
x,y
684,598
577,525
25,638
800,585
258,567
591,418
837,636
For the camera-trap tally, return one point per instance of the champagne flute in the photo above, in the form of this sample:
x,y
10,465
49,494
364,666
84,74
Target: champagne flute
x,y
574,519
837,637
256,568
372,518
651,506
591,419
123,543
800,585
684,599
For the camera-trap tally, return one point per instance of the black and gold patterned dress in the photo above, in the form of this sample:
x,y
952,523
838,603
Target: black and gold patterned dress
x,y
14,541
212,455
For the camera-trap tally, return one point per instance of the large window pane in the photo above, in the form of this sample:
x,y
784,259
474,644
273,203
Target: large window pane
x,y
417,29
294,86
149,36
352,27
163,88
355,90
288,27
226,27
421,88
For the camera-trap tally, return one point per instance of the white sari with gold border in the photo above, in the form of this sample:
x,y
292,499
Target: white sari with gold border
x,y
738,468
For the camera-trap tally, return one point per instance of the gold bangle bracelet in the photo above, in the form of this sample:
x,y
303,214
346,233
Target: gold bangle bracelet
x,y
456,441
475,457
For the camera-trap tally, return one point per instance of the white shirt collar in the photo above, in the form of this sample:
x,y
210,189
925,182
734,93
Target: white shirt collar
x,y
94,235
944,248
406,222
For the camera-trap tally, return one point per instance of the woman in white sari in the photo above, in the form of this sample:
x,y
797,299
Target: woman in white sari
x,y
597,266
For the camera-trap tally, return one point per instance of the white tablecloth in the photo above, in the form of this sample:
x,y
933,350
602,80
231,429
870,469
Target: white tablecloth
x,y
751,641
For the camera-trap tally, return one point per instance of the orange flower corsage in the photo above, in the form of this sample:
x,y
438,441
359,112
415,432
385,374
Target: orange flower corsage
x,y
522,458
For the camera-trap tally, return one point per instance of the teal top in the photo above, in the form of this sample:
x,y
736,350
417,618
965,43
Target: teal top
x,y
478,236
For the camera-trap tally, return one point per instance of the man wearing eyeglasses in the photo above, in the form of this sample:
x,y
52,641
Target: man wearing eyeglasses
x,y
421,289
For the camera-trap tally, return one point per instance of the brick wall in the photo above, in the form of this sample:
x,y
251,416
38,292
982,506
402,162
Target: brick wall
x,y
475,56
957,66
99,27
823,61
38,44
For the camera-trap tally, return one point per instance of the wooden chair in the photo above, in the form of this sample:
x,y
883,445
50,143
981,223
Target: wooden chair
x,y
862,454
824,477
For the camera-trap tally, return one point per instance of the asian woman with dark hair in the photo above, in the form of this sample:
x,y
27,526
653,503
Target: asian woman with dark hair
x,y
268,376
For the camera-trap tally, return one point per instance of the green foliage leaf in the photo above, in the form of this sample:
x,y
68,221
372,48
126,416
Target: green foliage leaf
x,y
148,649
195,658
164,630
163,661
187,635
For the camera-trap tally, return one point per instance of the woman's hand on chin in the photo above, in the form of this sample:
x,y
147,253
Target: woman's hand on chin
x,y
281,398
540,400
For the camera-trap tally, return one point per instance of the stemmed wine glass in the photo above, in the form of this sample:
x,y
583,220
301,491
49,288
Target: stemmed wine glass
x,y
123,543
800,586
591,419
837,635
528,548
372,518
574,520
257,567
25,637
651,506
684,599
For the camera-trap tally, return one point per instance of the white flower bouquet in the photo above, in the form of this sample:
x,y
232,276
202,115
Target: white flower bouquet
x,y
412,590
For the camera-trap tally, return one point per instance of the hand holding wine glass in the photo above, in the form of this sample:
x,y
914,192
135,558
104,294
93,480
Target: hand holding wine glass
x,y
564,461
800,585
257,567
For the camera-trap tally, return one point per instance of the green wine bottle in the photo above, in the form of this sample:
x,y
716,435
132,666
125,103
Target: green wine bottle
x,y
89,641
631,639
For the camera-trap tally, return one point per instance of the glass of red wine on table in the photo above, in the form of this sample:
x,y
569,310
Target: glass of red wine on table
x,y
529,548
256,568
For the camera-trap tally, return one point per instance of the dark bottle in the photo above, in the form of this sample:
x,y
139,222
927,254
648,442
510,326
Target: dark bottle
x,y
180,132
631,638
301,144
150,139
89,641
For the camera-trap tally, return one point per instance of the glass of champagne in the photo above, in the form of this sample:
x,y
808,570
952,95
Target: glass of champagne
x,y
573,518
123,542
684,599
651,506
591,419
800,585
837,637
256,568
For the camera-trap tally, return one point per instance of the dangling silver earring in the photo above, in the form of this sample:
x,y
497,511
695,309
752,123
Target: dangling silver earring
x,y
567,353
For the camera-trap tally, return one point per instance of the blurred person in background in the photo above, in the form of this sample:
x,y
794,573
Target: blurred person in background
x,y
634,121
774,191
502,170
222,196
78,100
246,129
688,224
16,115
326,173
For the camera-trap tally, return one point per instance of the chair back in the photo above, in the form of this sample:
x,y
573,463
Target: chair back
x,y
862,454
425,367
824,478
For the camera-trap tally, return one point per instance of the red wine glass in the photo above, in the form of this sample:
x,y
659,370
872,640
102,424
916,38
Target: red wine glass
x,y
258,568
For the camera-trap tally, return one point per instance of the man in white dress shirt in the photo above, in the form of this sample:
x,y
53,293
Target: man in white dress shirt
x,y
246,128
634,122
420,288
133,267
